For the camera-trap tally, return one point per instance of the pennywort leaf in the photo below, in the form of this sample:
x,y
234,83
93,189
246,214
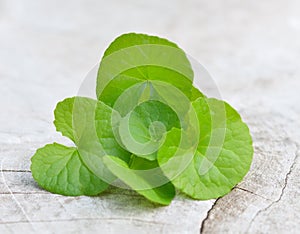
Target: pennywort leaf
x,y
60,169
133,39
74,118
224,152
140,181
143,57
64,118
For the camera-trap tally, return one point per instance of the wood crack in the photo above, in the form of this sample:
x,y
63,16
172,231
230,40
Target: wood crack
x,y
24,171
22,193
88,219
282,190
208,215
248,191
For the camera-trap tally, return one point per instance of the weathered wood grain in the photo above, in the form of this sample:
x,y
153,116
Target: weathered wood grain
x,y
250,47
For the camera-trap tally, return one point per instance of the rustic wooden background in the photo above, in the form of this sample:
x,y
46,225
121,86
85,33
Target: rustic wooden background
x,y
252,49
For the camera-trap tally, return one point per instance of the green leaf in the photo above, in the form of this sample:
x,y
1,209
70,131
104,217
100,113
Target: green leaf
x,y
116,87
223,156
79,113
146,58
141,181
145,74
106,121
74,118
64,118
132,39
59,169
195,94
147,124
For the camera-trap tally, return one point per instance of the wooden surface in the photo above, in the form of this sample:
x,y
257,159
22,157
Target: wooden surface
x,y
252,49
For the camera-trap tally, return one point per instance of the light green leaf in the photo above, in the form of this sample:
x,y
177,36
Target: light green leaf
x,y
224,152
64,118
144,74
195,94
59,169
132,39
147,124
79,113
138,180
74,118
142,57
106,121
116,87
